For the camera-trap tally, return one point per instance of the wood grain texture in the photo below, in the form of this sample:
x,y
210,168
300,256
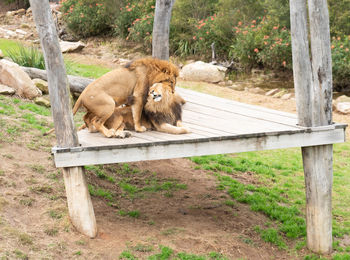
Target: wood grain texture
x,y
161,27
313,87
56,74
80,208
79,202
161,149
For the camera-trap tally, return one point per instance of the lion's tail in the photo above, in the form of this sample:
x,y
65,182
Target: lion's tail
x,y
77,105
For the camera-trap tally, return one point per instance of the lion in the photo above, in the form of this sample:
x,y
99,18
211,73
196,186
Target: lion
x,y
114,89
162,112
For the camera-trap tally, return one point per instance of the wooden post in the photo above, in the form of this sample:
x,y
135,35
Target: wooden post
x,y
161,25
313,88
79,202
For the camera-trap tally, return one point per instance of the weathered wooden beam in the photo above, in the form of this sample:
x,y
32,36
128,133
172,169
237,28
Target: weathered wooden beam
x,y
161,27
76,84
79,202
313,87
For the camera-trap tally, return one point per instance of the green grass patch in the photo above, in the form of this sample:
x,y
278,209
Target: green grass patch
x,y
84,70
99,192
127,255
279,190
165,254
271,235
99,171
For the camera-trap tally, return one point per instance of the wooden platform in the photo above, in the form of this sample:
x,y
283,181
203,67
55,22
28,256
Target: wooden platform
x,y
218,126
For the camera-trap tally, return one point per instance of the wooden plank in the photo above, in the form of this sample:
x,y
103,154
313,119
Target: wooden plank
x,y
186,148
236,124
224,114
80,207
208,131
236,107
194,95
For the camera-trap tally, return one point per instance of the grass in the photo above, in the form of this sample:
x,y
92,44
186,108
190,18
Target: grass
x,y
168,253
84,70
278,190
99,192
28,56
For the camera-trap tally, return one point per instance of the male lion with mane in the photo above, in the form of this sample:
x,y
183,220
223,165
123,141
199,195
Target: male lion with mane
x,y
101,97
162,112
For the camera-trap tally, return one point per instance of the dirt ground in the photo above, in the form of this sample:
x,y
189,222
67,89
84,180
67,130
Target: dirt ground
x,y
34,222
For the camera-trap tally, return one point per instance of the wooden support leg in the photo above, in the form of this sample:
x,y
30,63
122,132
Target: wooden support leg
x,y
318,171
80,207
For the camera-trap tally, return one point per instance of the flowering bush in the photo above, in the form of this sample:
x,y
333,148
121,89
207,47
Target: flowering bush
x,y
86,17
262,44
132,15
341,62
141,30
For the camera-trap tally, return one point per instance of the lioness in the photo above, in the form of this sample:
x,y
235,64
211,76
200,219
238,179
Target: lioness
x,y
114,88
162,112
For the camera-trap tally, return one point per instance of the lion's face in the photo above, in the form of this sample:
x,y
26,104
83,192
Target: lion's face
x,y
158,91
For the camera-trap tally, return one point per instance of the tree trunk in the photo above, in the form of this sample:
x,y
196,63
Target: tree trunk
x,y
76,84
313,88
161,27
79,203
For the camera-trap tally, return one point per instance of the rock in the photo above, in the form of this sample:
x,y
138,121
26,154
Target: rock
x,y
257,90
237,87
343,107
71,46
7,33
42,85
13,76
42,101
20,11
121,61
5,90
29,11
1,54
25,26
10,13
279,94
222,83
272,92
229,82
21,31
287,96
342,98
201,71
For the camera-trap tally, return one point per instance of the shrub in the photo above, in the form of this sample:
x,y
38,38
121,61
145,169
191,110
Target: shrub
x,y
262,43
87,17
141,30
341,62
132,11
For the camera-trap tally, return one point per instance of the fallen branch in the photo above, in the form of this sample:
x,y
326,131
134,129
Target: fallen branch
x,y
76,84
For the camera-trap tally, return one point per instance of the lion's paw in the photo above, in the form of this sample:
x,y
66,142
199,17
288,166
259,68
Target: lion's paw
x,y
109,133
140,129
122,134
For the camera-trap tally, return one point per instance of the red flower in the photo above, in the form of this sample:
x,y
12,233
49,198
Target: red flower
x,y
256,50
194,37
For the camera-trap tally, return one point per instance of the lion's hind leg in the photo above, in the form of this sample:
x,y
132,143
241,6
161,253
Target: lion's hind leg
x,y
101,113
